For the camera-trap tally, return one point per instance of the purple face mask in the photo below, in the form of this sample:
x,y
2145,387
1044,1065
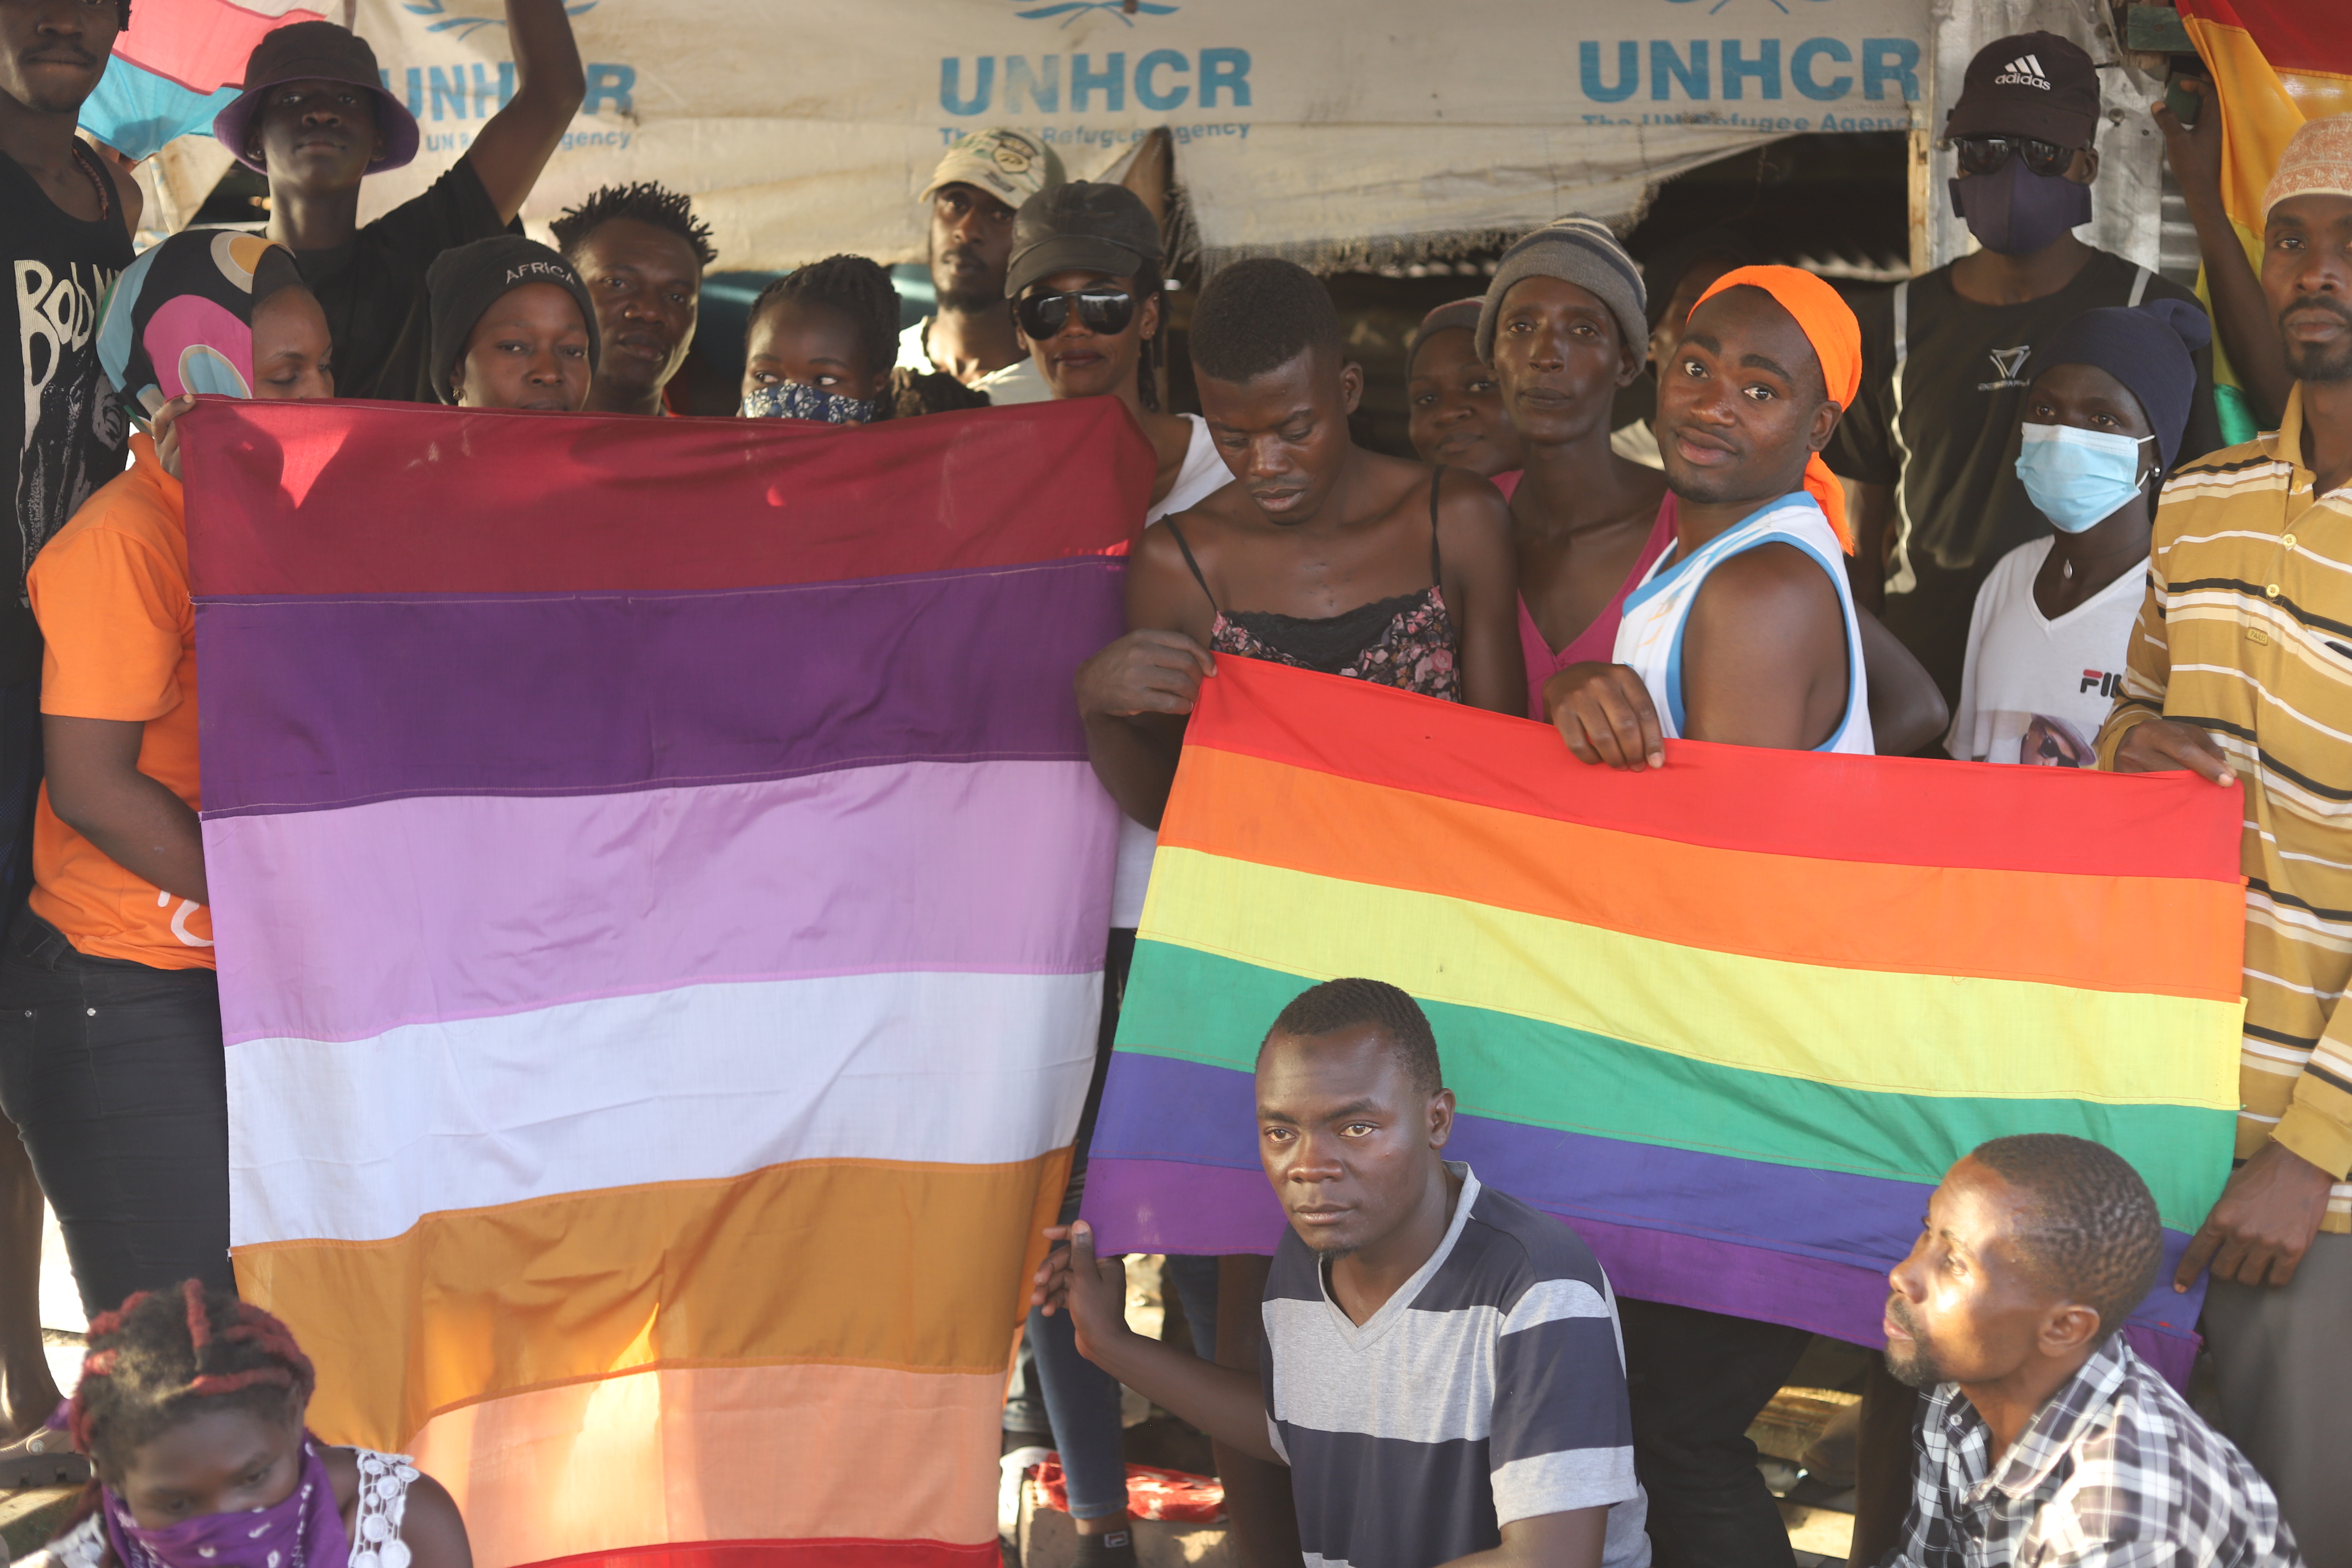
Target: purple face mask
x,y
306,1531
2017,211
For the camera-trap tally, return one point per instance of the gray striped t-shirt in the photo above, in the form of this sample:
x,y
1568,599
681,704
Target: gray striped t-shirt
x,y
1491,1387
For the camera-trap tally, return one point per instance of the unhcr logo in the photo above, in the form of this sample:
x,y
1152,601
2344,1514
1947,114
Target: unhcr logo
x,y
2023,72
1070,11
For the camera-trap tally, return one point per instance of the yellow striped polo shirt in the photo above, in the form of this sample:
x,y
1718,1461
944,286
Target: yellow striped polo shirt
x,y
2247,634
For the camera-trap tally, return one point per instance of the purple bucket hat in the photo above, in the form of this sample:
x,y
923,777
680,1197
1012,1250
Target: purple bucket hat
x,y
316,51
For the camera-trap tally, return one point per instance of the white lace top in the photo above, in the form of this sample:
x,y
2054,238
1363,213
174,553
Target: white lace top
x,y
385,1480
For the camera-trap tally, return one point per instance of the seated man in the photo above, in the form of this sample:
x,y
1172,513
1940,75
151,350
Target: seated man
x,y
512,328
2046,1440
642,252
1441,1370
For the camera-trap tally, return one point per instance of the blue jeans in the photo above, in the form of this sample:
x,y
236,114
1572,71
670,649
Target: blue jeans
x,y
1081,1400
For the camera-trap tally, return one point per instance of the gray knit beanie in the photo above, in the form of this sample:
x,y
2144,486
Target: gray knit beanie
x,y
1575,249
1462,313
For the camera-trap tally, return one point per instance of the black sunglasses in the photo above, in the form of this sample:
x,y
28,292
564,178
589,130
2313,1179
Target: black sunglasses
x,y
1985,154
1104,310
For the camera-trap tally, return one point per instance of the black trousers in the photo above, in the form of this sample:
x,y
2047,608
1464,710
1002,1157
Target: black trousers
x,y
1697,1380
114,1075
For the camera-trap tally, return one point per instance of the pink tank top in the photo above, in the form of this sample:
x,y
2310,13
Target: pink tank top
x,y
1597,642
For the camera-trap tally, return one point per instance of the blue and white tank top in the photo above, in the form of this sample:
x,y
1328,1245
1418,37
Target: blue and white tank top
x,y
1649,638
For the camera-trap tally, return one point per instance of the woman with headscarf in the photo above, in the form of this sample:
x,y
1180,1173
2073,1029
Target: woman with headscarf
x,y
2103,422
110,1061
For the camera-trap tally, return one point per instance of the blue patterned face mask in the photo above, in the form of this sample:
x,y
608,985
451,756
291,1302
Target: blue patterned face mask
x,y
791,400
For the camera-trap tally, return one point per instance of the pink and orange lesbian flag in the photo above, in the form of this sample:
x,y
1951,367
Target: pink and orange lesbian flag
x,y
661,894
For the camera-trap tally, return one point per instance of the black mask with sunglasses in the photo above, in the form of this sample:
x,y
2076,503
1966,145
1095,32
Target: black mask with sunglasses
x,y
1985,154
1104,309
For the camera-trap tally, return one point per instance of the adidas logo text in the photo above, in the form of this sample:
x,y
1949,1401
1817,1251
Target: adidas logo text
x,y
2023,72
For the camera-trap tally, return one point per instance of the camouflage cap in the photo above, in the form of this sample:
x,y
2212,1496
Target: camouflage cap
x,y
1007,164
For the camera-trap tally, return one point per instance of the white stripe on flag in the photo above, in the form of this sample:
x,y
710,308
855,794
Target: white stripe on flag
x,y
356,1140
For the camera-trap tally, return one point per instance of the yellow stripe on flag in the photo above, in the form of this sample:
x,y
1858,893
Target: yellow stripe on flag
x,y
1959,1035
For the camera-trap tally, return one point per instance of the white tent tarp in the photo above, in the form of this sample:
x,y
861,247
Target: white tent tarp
x,y
1331,129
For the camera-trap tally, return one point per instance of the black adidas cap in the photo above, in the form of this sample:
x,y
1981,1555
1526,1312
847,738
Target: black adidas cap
x,y
2034,84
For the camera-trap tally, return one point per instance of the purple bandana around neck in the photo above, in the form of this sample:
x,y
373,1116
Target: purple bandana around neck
x,y
306,1531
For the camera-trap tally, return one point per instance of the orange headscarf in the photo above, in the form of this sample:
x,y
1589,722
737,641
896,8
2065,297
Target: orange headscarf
x,y
1836,338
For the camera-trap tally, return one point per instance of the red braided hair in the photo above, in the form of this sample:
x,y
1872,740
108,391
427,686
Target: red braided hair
x,y
153,1356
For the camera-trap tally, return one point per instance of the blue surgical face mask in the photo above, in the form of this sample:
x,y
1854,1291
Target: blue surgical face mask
x,y
2078,478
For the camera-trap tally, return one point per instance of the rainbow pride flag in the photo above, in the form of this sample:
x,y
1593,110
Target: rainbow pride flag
x,y
1731,1020
660,895
178,64
2275,64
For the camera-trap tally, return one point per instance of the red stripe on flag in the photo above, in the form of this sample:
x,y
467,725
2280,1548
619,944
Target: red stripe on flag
x,y
201,45
377,497
2292,35
1889,810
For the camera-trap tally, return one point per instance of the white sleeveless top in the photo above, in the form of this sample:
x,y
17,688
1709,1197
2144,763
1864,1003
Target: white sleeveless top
x,y
375,1528
1203,475
1649,638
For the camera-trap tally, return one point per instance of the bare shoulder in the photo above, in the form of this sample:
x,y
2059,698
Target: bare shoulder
x,y
1163,551
1773,591
1470,507
430,1525
433,1529
1223,508
1162,595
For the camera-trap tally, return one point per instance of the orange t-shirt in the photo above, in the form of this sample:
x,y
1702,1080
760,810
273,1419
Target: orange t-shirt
x,y
111,591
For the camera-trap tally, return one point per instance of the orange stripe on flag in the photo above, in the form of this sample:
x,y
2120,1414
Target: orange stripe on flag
x,y
756,1453
865,1263
1846,914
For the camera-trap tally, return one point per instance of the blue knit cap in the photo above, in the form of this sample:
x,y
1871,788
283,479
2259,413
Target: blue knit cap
x,y
2147,347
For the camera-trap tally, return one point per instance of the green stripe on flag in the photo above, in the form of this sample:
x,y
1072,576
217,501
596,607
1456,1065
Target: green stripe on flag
x,y
1184,1003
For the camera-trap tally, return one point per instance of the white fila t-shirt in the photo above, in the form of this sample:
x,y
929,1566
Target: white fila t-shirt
x,y
2037,690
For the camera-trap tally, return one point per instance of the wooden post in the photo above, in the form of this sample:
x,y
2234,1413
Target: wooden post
x,y
1922,186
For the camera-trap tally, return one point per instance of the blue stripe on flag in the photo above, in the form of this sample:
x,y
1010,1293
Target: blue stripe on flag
x,y
135,111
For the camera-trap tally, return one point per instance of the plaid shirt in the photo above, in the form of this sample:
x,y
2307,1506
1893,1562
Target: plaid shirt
x,y
2114,1471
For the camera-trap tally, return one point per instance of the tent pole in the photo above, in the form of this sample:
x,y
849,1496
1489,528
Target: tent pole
x,y
1921,190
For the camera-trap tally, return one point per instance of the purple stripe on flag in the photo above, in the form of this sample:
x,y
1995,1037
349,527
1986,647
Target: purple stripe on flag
x,y
1156,1206
1174,1169
1171,1205
313,702
440,908
1164,1108
1841,1301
